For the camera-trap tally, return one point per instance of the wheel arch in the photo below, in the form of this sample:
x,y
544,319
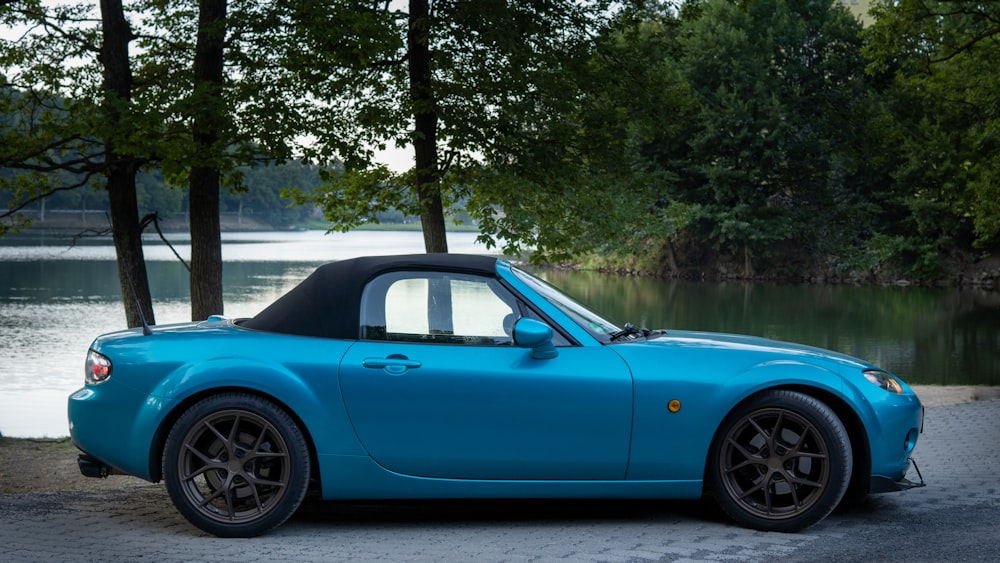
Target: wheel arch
x,y
860,447
163,430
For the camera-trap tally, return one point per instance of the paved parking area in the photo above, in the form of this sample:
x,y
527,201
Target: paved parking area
x,y
955,518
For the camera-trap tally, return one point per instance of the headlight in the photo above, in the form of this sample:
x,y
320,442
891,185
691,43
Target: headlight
x,y
884,380
98,367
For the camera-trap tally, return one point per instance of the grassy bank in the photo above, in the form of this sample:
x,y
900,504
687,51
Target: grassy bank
x,y
29,465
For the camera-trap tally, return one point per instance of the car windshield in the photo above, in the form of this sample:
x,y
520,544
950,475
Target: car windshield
x,y
592,322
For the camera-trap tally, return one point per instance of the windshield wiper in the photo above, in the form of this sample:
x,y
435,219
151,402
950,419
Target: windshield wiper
x,y
629,332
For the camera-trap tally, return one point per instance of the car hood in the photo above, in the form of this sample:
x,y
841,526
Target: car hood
x,y
752,346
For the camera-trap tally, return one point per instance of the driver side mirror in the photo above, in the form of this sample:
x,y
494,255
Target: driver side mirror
x,y
529,333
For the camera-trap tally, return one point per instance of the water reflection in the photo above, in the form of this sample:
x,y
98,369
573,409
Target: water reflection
x,y
926,335
54,301
55,297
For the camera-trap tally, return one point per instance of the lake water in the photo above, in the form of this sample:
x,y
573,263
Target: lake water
x,y
55,299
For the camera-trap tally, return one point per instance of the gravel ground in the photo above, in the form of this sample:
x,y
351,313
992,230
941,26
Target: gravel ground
x,y
954,518
938,395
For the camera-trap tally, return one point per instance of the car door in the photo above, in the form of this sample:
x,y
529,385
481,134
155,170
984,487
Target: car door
x,y
436,388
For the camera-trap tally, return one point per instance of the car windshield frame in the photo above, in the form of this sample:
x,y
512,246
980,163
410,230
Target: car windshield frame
x,y
596,325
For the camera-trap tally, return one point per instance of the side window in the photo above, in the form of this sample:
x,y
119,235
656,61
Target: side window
x,y
437,307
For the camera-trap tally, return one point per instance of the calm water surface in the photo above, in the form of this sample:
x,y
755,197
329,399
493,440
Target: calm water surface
x,y
54,300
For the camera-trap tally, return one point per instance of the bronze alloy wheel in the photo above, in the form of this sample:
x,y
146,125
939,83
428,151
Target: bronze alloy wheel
x,y
775,463
236,465
782,463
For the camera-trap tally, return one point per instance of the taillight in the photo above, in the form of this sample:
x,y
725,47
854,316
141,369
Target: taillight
x,y
98,367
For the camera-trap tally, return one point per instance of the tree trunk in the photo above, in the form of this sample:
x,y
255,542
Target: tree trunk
x,y
747,261
121,170
203,201
206,244
425,119
668,260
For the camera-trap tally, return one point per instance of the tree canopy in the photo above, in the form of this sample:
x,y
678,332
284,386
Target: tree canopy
x,y
747,137
945,58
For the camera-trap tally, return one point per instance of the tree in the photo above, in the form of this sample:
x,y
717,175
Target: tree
x,y
224,106
75,119
587,175
457,81
75,95
944,57
427,172
122,167
210,118
777,83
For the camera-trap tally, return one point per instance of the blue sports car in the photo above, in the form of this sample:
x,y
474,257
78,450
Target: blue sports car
x,y
448,376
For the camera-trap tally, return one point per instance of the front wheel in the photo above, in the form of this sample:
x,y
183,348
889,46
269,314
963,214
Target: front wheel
x,y
236,465
781,462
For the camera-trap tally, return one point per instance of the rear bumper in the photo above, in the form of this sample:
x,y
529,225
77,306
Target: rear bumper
x,y
91,467
102,424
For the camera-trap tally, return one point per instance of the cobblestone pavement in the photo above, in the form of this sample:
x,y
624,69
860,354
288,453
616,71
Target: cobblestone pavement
x,y
955,518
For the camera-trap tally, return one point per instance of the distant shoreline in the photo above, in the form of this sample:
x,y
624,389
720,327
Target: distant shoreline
x,y
982,273
74,223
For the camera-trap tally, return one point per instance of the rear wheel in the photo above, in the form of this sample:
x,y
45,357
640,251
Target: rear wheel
x,y
236,465
781,462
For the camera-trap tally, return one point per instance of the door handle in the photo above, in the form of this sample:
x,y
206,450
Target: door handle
x,y
393,365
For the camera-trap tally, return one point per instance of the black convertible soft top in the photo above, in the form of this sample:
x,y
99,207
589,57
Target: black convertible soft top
x,y
328,303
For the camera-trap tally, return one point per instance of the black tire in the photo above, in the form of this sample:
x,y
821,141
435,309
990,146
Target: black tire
x,y
780,462
226,497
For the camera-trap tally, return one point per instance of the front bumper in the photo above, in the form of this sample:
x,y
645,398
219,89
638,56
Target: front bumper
x,y
883,484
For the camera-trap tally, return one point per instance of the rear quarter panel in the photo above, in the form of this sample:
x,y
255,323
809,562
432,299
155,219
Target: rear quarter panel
x,y
157,377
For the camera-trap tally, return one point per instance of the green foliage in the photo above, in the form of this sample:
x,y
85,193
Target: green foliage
x,y
502,90
355,197
257,115
53,125
744,131
775,84
580,180
49,111
261,196
944,57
